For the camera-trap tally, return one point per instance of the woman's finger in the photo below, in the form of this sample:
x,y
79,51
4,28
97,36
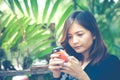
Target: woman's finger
x,y
54,56
72,58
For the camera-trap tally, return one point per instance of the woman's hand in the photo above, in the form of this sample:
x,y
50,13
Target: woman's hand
x,y
73,67
55,64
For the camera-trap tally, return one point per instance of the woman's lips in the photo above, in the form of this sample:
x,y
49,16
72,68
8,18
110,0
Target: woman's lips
x,y
77,47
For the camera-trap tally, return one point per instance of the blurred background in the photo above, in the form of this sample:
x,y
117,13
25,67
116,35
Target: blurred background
x,y
30,29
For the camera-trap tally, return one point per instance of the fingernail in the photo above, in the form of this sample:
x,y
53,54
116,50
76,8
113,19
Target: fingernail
x,y
64,64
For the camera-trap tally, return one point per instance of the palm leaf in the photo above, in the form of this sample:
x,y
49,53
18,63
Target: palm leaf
x,y
53,11
19,6
82,4
27,7
5,22
8,29
15,43
45,10
38,37
34,6
43,53
11,5
43,44
62,19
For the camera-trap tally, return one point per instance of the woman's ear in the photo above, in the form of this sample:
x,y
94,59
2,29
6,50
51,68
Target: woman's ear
x,y
94,37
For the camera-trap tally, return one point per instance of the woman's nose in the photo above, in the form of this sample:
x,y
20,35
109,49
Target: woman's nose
x,y
75,40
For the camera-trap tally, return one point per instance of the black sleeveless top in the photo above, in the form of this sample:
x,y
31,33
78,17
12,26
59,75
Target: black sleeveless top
x,y
107,69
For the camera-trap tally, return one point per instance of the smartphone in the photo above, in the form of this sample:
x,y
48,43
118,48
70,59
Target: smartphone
x,y
61,51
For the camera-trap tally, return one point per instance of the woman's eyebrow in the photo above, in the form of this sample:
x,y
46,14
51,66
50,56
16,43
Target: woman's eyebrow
x,y
76,32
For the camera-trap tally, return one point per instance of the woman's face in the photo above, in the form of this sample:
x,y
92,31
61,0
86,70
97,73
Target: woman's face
x,y
79,38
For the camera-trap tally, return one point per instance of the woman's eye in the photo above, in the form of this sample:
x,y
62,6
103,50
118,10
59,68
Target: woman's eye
x,y
69,37
80,35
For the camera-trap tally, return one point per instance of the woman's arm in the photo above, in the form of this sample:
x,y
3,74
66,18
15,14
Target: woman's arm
x,y
83,76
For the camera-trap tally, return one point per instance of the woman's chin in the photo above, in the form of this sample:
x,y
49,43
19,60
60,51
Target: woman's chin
x,y
78,51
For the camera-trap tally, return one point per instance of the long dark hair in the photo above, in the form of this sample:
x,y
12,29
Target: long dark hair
x,y
87,20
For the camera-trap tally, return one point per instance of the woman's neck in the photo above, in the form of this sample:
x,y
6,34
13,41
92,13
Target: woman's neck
x,y
85,63
85,56
85,60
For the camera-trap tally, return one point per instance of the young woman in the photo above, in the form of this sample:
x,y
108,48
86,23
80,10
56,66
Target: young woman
x,y
87,52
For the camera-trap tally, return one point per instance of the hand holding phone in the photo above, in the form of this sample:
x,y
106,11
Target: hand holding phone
x,y
62,52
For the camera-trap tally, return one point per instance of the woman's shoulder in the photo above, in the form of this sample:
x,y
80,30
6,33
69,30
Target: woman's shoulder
x,y
111,61
112,58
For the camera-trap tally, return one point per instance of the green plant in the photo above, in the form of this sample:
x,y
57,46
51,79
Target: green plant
x,y
27,31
